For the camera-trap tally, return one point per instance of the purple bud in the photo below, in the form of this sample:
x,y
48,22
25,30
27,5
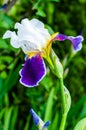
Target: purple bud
x,y
38,122
36,118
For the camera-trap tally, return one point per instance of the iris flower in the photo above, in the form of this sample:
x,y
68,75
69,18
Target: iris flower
x,y
35,41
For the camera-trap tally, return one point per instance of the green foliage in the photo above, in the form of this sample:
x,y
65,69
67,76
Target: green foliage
x,y
49,106
81,125
68,17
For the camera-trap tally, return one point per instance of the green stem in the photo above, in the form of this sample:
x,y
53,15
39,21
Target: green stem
x,y
64,114
63,121
62,94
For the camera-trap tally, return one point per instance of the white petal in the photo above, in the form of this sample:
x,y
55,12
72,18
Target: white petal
x,y
31,35
37,23
7,34
36,30
14,38
17,25
25,22
27,46
26,31
43,33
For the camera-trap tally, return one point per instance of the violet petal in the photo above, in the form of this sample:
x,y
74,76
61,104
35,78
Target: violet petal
x,y
60,37
33,71
76,42
36,118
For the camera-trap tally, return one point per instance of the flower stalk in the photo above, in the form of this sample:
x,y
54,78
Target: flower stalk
x,y
65,95
63,121
64,113
62,94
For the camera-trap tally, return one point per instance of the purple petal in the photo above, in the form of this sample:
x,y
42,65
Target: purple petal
x,y
60,37
36,118
33,71
76,42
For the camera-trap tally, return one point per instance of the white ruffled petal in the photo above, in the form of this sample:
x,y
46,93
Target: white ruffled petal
x,y
7,34
36,31
43,33
17,26
31,35
27,46
14,38
25,30
37,23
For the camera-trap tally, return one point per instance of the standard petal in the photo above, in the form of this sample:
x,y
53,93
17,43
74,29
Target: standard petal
x,y
27,32
33,71
31,35
14,38
36,31
7,34
28,46
37,23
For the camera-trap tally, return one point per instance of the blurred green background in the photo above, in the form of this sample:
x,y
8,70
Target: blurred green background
x,y
64,16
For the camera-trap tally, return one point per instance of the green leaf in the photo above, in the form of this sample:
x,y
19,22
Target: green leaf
x,y
27,123
10,81
3,74
55,122
7,118
2,66
5,21
47,82
51,31
12,78
2,112
7,59
76,109
14,118
40,12
49,107
3,44
83,111
82,1
1,84
54,0
81,125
